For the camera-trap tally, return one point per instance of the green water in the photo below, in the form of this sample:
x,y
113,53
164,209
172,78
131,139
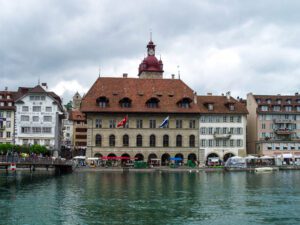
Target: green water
x,y
151,198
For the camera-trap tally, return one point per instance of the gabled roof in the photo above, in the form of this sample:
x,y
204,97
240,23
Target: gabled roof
x,y
168,91
220,105
22,91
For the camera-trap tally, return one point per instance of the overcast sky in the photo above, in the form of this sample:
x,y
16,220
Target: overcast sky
x,y
238,46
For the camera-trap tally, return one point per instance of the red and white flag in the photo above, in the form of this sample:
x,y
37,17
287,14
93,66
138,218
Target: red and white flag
x,y
123,122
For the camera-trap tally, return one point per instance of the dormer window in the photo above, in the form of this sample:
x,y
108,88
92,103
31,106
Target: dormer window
x,y
210,107
258,100
184,103
103,102
289,101
298,101
125,103
269,101
278,101
8,96
231,107
152,103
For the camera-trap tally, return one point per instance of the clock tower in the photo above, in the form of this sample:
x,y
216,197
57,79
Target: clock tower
x,y
151,67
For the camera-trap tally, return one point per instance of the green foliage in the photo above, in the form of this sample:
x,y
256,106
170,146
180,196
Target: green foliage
x,y
69,105
37,149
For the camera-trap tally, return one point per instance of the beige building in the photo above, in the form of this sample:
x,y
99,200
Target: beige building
x,y
7,117
146,102
273,124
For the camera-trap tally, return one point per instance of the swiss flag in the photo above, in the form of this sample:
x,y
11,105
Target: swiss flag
x,y
123,121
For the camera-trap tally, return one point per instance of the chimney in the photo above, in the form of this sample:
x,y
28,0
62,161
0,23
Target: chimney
x,y
228,95
44,85
296,93
209,93
195,97
173,76
6,88
125,75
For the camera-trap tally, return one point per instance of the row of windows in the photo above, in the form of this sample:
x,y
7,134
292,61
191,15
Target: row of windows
x,y
139,140
6,104
37,98
221,119
8,134
272,135
277,108
221,130
281,126
283,148
221,143
140,124
2,114
35,130
279,117
36,109
3,97
2,124
277,101
36,118
103,102
37,142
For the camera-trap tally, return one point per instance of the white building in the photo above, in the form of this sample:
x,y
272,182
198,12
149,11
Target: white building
x,y
222,127
39,116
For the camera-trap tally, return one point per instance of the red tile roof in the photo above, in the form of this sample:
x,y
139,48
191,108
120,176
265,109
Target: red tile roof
x,y
76,115
220,105
139,91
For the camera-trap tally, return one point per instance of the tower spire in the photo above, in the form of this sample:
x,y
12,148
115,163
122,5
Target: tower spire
x,y
150,34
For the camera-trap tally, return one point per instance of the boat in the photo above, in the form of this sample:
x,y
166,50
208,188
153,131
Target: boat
x,y
264,169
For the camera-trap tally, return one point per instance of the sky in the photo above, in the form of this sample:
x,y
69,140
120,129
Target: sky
x,y
216,46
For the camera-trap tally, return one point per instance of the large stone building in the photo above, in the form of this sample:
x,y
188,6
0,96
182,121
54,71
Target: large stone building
x,y
223,121
146,101
7,116
273,124
39,116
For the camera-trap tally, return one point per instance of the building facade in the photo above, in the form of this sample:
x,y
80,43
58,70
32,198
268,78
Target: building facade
x,y
39,116
222,125
144,103
273,124
79,137
7,116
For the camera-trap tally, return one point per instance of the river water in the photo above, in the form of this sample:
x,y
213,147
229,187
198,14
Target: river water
x,y
150,198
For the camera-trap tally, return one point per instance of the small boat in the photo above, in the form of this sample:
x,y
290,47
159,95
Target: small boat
x,y
264,169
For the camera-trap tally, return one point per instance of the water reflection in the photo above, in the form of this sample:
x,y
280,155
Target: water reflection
x,y
151,198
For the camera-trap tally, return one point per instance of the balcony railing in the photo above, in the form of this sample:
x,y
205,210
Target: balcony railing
x,y
284,121
284,131
2,127
222,136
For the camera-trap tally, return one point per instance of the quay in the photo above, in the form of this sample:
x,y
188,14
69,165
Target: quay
x,y
60,165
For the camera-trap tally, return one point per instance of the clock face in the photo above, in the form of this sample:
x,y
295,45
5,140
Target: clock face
x,y
151,51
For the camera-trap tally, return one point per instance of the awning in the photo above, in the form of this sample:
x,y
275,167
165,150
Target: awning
x,y
176,159
79,157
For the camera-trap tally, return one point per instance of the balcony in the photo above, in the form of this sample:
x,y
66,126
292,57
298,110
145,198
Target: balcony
x,y
2,127
222,136
284,131
284,121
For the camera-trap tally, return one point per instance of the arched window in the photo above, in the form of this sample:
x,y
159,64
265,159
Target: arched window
x,y
125,140
125,102
139,140
152,140
166,140
184,103
112,140
179,140
152,103
192,141
98,140
102,101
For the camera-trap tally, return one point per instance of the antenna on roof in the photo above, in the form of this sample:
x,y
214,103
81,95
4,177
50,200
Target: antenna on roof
x,y
178,72
99,71
150,34
39,81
